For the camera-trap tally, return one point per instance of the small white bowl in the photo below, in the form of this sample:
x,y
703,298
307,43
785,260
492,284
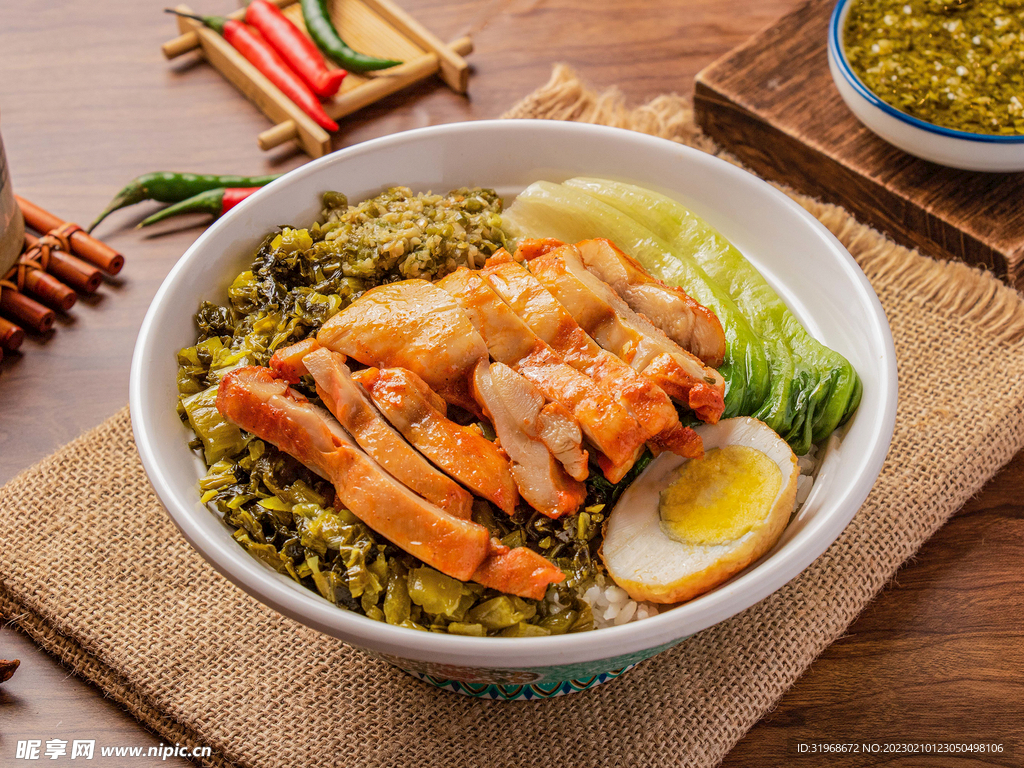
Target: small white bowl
x,y
809,268
945,146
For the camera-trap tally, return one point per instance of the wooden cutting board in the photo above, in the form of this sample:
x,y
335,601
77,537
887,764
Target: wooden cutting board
x,y
772,102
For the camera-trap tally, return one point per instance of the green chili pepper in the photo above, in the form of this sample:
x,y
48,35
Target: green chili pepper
x,y
812,386
556,210
321,29
168,187
216,202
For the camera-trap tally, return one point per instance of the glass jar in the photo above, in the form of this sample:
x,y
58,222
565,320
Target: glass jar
x,y
12,225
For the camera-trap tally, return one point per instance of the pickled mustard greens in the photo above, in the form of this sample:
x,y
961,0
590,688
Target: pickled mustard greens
x,y
284,514
955,63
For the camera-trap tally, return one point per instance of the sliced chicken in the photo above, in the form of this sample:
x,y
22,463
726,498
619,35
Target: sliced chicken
x,y
531,248
541,480
554,325
689,324
407,402
259,403
551,423
287,361
617,328
430,335
607,424
680,440
352,407
414,325
519,571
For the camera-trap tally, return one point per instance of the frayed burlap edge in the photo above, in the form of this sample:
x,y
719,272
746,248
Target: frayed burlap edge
x,y
976,294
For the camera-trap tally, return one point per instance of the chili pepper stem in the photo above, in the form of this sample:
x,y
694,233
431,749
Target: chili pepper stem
x,y
133,193
216,23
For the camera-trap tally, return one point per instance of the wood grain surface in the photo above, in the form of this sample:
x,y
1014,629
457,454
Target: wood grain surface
x,y
87,102
774,104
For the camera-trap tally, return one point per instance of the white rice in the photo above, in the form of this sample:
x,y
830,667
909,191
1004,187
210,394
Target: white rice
x,y
611,605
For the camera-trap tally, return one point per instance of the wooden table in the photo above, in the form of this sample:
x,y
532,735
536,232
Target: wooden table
x,y
88,103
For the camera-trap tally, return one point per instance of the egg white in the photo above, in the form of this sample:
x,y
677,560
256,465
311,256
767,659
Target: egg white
x,y
643,560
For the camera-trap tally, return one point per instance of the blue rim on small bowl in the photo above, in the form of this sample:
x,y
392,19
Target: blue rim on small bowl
x,y
835,40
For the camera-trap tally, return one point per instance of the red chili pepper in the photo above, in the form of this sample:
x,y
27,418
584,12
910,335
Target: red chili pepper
x,y
233,196
294,47
216,202
248,42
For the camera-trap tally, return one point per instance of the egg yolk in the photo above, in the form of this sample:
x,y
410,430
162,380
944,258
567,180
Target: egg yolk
x,y
717,499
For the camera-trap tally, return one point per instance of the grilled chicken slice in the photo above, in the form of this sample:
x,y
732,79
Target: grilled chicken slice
x,y
551,423
430,335
414,325
680,440
531,248
541,480
259,403
648,402
519,571
407,402
287,361
689,324
351,406
617,328
607,424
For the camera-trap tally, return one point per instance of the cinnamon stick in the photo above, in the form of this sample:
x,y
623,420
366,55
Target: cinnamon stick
x,y
86,246
30,312
69,269
75,272
49,290
11,335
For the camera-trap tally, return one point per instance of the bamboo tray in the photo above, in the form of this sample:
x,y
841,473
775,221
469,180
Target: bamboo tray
x,y
375,27
772,103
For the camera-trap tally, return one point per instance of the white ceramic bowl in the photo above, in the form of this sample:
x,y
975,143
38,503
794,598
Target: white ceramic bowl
x,y
808,267
957,149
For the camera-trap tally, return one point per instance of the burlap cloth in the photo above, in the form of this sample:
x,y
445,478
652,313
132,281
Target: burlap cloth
x,y
95,571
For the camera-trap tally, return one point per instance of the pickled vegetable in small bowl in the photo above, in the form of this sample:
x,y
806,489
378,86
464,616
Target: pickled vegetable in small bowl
x,y
940,82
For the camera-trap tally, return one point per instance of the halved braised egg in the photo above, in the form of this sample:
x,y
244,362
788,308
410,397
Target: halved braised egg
x,y
686,525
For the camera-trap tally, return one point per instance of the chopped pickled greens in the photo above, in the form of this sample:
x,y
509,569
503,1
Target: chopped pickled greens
x,y
955,64
219,437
